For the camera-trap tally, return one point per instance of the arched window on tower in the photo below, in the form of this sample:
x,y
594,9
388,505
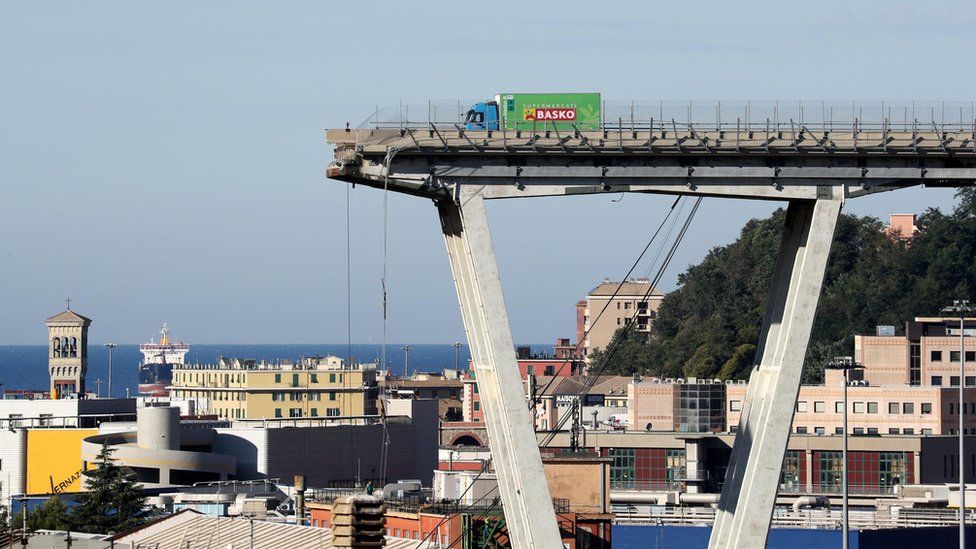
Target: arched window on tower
x,y
56,348
74,347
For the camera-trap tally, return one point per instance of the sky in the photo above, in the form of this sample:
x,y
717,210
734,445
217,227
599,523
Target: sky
x,y
167,162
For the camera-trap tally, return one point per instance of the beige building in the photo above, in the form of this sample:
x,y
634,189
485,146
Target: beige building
x,y
67,353
620,304
702,406
926,354
245,389
872,410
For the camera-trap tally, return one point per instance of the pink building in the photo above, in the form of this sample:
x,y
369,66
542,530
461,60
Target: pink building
x,y
901,226
927,353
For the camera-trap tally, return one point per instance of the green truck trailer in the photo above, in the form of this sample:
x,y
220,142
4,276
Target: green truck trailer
x,y
536,111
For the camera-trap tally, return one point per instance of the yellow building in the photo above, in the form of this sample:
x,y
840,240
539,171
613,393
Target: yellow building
x,y
246,389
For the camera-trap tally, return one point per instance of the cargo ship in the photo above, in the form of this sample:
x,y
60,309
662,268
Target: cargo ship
x,y
158,359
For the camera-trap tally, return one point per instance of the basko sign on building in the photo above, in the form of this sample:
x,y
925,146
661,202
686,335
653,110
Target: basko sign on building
x,y
563,111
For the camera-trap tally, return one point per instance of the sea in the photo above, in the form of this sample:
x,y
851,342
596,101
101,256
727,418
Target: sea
x,y
25,366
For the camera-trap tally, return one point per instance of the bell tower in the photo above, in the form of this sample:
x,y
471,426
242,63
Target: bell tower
x,y
67,362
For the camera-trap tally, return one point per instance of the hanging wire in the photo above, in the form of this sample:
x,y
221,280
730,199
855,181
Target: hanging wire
x,y
579,344
617,341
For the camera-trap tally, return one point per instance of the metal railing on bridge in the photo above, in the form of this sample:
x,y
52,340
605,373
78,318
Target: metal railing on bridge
x,y
762,116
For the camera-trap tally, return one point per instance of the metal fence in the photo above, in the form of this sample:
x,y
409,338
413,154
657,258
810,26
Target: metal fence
x,y
743,116
803,518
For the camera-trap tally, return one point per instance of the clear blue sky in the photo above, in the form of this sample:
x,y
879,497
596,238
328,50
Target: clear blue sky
x,y
167,162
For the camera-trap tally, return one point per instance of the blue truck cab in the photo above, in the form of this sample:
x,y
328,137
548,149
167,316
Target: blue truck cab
x,y
482,117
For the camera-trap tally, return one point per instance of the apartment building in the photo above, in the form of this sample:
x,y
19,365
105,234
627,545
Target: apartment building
x,y
246,389
616,305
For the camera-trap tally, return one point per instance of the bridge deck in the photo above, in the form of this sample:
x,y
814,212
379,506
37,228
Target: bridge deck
x,y
776,165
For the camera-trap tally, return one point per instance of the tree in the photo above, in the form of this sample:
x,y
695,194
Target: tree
x,y
709,326
113,503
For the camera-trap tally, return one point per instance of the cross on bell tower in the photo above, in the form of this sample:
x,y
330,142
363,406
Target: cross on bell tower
x,y
67,353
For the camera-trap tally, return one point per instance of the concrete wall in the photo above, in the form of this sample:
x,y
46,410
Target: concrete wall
x,y
13,462
584,482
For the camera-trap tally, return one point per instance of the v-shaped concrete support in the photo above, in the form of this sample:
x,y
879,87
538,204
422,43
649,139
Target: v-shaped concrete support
x,y
746,504
522,484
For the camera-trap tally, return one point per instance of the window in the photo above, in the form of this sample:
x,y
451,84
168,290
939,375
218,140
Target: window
x,y
830,469
908,431
294,412
838,430
893,408
859,430
839,407
926,407
331,378
623,468
892,468
820,430
627,306
970,380
315,378
801,430
858,407
277,378
294,380
908,408
951,409
936,356
477,405
892,430
332,412
314,412
790,477
926,431
872,430
735,405
801,406
277,412
937,381
872,407
332,396
970,356
819,407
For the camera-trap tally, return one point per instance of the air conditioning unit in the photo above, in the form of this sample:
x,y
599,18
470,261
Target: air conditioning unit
x,y
680,380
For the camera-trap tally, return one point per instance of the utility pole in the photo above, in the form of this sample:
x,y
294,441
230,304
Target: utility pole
x,y
961,308
23,514
110,347
846,364
406,360
457,355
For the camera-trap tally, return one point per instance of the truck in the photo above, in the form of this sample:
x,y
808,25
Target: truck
x,y
536,111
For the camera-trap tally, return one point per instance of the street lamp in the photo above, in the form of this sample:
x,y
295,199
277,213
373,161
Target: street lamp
x,y
110,347
98,388
406,360
961,308
457,355
846,364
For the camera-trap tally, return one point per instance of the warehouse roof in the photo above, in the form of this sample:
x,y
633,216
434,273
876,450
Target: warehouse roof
x,y
194,529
